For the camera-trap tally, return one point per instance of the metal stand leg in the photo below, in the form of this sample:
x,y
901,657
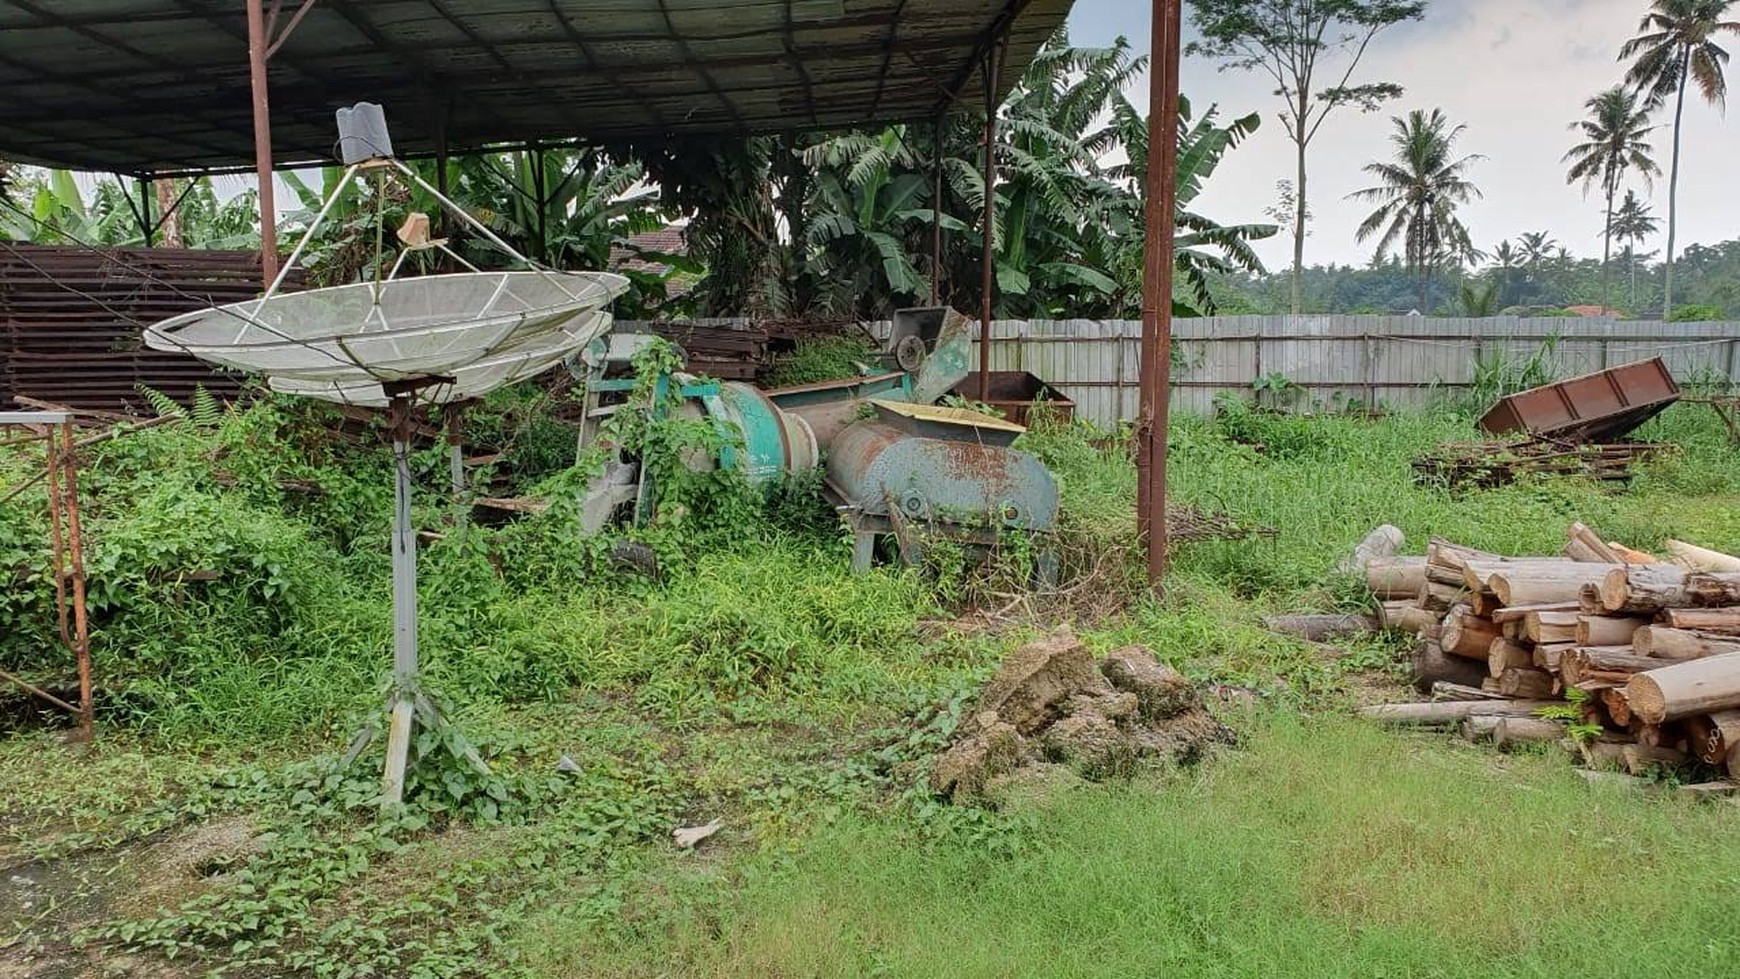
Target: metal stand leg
x,y
863,551
404,612
1046,569
456,465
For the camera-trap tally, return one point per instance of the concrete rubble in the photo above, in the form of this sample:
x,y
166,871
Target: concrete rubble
x,y
1053,714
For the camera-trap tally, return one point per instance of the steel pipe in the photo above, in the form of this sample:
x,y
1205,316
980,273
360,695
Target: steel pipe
x,y
258,44
987,283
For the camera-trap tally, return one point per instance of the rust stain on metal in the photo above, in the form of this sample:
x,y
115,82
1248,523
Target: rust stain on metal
x,y
67,566
976,463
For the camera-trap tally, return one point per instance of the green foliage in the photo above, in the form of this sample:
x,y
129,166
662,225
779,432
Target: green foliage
x,y
759,681
861,207
1478,301
1696,313
1275,390
822,358
1242,867
1499,373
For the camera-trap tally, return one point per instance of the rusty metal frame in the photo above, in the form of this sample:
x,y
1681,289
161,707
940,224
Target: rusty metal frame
x,y
142,210
66,540
1160,199
988,253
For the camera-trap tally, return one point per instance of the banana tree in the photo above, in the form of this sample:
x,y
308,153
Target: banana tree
x,y
48,207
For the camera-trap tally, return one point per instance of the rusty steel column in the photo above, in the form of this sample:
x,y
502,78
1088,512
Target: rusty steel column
x,y
936,204
257,54
987,282
76,557
66,538
1160,200
146,228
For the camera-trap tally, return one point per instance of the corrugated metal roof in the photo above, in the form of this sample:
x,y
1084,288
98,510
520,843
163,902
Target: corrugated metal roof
x,y
140,86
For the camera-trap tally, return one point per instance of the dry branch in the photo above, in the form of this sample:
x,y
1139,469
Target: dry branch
x,y
1449,712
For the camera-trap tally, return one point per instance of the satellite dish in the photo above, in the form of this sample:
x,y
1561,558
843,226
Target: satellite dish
x,y
398,330
396,343
471,381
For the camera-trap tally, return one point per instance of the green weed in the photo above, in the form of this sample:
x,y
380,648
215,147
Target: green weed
x,y
1325,850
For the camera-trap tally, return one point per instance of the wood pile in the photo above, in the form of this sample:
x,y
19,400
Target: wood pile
x,y
1497,463
1642,654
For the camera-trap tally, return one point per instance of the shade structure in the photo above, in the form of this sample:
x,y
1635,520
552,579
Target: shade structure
x,y
433,326
162,86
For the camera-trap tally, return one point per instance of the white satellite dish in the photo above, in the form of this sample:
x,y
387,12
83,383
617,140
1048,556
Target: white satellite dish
x,y
471,381
394,343
400,329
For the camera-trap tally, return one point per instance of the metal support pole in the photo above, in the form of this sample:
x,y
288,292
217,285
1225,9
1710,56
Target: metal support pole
x,y
543,251
257,54
456,462
1160,200
987,270
936,206
404,609
66,537
147,227
76,559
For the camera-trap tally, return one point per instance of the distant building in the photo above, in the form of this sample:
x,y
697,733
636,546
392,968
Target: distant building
x,y
638,253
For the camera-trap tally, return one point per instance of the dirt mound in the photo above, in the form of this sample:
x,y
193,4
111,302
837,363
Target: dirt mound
x,y
1051,712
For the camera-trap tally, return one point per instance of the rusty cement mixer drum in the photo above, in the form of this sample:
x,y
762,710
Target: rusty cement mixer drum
x,y
917,470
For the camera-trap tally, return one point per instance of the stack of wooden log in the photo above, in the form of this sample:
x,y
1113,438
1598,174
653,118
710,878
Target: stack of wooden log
x,y
1500,463
1642,654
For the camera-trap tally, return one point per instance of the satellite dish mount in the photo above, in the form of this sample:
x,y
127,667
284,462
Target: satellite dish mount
x,y
397,343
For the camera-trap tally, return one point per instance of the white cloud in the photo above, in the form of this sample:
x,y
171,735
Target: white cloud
x,y
1516,71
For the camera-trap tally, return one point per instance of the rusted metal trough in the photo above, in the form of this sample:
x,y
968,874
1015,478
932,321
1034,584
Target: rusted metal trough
x,y
1592,408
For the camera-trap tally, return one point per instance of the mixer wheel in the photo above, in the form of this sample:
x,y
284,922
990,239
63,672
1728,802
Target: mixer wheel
x,y
909,353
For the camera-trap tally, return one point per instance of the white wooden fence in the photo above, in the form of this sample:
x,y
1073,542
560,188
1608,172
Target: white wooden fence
x,y
1391,360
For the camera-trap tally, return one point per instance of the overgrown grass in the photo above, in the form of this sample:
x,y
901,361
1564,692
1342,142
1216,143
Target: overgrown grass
x,y
822,358
1322,849
242,616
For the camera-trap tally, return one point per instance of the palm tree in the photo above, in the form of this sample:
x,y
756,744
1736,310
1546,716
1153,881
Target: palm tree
x,y
1632,223
1479,302
1675,44
1613,146
1537,247
1507,260
1418,194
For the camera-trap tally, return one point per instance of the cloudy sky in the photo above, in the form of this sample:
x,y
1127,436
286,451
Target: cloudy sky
x,y
1516,71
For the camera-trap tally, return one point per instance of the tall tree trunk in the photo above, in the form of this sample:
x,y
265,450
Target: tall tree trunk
x,y
1667,303
169,221
1631,260
1607,254
1425,288
1299,211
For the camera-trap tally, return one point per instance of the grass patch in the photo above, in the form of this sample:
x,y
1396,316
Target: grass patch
x,y
1320,849
755,678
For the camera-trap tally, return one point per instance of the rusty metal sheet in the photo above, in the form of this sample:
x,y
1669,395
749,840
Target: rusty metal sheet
x,y
1016,394
1593,407
70,321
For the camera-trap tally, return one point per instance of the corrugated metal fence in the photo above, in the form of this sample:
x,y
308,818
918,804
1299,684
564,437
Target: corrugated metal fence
x,y
70,320
1393,360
